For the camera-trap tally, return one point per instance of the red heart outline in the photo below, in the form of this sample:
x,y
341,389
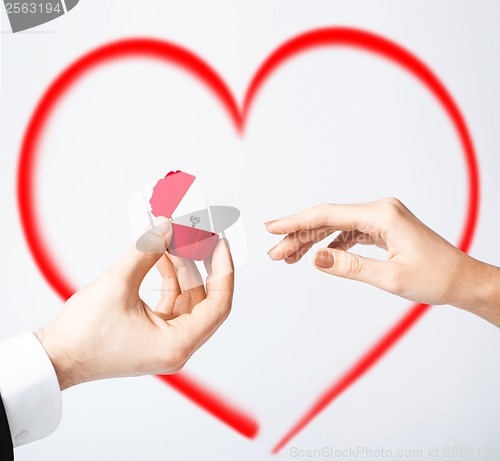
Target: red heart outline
x,y
188,61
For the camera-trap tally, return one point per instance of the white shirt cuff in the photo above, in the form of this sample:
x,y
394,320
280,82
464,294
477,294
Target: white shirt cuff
x,y
29,389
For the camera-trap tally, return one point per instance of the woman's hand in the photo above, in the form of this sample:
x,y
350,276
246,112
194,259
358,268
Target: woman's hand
x,y
421,266
105,330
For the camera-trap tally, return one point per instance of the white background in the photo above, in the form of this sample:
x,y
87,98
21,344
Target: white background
x,y
334,125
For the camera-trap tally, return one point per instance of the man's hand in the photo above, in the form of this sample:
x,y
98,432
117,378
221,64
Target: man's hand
x,y
421,266
105,330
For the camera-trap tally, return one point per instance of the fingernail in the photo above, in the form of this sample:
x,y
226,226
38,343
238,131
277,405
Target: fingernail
x,y
270,252
268,223
324,259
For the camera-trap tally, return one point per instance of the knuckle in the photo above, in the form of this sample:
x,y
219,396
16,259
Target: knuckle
x,y
393,201
392,211
173,360
178,368
353,265
301,236
323,208
224,311
322,211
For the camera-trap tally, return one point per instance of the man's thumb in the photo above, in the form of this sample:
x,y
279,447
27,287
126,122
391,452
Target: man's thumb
x,y
145,253
156,239
350,266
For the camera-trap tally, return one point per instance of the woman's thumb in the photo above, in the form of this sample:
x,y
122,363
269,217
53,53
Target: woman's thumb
x,y
351,266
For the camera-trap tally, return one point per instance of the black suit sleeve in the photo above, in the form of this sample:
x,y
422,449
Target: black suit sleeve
x,y
6,450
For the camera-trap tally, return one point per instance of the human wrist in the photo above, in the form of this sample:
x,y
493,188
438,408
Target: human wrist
x,y
480,290
488,303
62,361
